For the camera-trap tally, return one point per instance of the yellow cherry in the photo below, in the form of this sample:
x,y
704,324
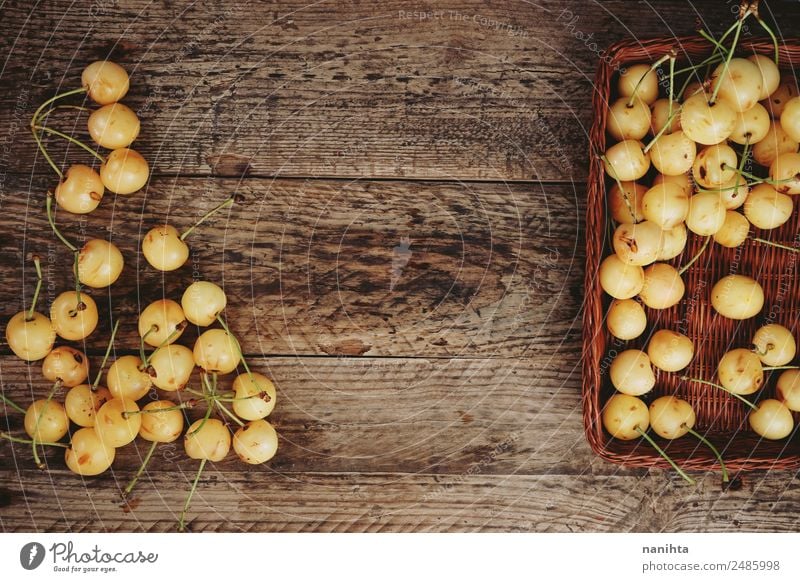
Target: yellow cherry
x,y
162,422
256,442
215,351
80,190
30,337
114,126
114,423
100,263
105,82
207,440
624,416
163,248
46,421
202,302
82,403
126,379
125,171
173,366
88,455
255,397
70,322
67,364
162,322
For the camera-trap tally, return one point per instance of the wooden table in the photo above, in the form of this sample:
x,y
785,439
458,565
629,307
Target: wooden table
x,y
407,263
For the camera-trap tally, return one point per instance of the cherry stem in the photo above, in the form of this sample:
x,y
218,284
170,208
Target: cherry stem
x,y
708,61
52,109
653,67
718,46
671,86
46,155
56,386
146,460
621,190
721,387
13,439
12,404
54,99
774,244
714,450
685,268
738,28
38,265
771,34
182,406
182,520
238,347
105,357
51,219
755,178
663,129
771,368
203,422
206,216
224,409
70,139
661,452
35,133
166,342
142,354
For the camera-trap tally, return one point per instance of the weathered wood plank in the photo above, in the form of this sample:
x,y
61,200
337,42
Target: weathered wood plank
x,y
365,415
441,90
320,267
395,502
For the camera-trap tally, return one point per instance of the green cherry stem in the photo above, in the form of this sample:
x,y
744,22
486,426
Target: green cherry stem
x,y
42,107
182,520
135,479
718,46
13,439
146,359
653,67
663,129
661,452
70,139
703,248
738,27
11,403
38,266
191,403
721,387
238,346
204,421
774,244
52,220
771,35
714,450
56,386
771,368
142,353
621,188
224,409
207,215
96,382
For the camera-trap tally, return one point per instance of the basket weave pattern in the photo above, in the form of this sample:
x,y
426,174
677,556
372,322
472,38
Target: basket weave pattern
x,y
720,416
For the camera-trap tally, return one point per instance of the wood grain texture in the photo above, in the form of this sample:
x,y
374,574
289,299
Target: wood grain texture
x,y
382,415
231,501
319,268
442,90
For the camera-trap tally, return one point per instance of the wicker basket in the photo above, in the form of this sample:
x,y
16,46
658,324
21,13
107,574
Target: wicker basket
x,y
721,417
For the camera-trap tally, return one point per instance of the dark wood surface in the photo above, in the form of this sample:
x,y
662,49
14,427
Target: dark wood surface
x,y
439,395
